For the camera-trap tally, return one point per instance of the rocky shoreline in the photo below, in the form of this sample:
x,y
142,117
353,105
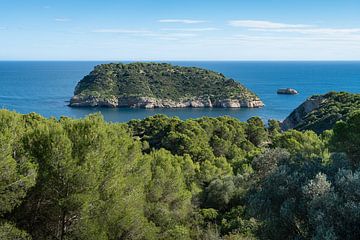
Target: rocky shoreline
x,y
150,102
297,116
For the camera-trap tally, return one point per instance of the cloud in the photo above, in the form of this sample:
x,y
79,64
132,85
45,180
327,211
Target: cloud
x,y
251,38
190,29
180,35
169,36
185,21
2,28
62,19
124,31
264,24
147,33
323,31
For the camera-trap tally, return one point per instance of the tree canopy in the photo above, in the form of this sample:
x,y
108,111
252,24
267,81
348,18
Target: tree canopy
x,y
165,178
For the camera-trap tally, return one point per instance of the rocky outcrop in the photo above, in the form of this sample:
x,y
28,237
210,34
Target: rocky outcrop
x,y
92,101
235,103
297,117
288,91
151,102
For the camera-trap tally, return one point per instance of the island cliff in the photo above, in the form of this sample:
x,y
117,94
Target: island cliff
x,y
321,112
160,85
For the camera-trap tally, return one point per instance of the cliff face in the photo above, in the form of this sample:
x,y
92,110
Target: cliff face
x,y
150,102
298,116
155,85
321,112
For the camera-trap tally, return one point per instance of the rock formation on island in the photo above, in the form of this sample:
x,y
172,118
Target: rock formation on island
x,y
321,112
160,85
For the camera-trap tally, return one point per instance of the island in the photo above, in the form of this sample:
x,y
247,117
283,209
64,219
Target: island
x,y
320,112
160,85
288,91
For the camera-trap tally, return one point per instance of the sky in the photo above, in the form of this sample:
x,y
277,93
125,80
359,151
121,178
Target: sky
x,y
179,30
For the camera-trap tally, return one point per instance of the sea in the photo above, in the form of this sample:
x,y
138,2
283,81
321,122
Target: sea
x,y
45,87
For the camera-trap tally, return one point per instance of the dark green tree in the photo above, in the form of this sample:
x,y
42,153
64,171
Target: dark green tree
x,y
346,137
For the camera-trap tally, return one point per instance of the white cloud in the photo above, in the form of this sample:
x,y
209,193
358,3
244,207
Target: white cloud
x,y
170,36
264,24
148,34
325,31
310,30
190,29
62,19
185,21
2,28
181,35
124,31
311,38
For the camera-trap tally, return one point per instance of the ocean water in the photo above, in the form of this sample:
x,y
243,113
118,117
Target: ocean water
x,y
46,87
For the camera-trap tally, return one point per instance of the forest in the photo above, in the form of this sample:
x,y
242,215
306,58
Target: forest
x,y
166,178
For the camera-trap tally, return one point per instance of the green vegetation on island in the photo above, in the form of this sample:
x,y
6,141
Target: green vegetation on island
x,y
152,85
321,112
165,178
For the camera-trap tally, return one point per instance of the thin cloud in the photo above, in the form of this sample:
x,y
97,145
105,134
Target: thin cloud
x,y
251,38
184,21
190,29
265,24
124,31
311,30
169,35
182,35
324,31
62,19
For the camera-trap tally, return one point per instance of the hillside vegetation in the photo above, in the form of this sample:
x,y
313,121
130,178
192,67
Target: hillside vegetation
x,y
164,178
321,112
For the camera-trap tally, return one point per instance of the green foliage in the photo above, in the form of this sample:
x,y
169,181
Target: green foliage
x,y
346,137
167,195
9,232
89,182
159,80
305,144
164,178
268,162
278,198
305,198
218,145
65,185
238,224
18,172
274,128
334,106
221,194
256,131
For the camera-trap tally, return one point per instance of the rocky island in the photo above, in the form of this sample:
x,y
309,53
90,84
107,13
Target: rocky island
x,y
160,85
288,91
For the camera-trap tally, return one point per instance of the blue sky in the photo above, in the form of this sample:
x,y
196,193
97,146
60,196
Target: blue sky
x,y
180,30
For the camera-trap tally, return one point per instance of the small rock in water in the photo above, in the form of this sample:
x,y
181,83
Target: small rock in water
x,y
290,91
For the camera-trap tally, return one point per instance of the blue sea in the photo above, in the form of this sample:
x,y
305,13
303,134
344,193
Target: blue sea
x,y
45,87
